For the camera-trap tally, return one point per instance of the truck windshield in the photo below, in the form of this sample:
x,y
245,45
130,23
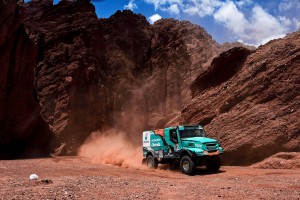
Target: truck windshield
x,y
192,133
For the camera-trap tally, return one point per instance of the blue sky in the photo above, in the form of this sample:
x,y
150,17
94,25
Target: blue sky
x,y
248,21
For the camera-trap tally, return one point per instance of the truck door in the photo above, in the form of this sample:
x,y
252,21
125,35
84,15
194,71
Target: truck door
x,y
174,140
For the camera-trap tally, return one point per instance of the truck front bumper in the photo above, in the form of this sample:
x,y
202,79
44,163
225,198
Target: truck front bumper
x,y
206,153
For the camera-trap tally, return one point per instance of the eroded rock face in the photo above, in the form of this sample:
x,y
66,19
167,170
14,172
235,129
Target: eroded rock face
x,y
254,113
68,73
179,52
222,68
118,72
20,119
81,74
127,40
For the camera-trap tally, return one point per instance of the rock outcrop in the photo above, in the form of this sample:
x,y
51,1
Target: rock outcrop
x,y
94,74
281,160
20,121
77,74
68,73
180,51
251,102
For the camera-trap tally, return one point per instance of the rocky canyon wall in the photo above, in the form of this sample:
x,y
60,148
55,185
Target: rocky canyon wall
x,y
20,120
250,101
65,73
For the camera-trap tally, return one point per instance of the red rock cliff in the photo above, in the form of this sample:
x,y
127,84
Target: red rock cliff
x,y
78,74
118,72
250,101
20,121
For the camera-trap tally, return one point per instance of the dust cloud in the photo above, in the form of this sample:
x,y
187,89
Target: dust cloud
x,y
112,147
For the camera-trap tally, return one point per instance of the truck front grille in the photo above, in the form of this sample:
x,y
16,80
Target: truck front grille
x,y
211,147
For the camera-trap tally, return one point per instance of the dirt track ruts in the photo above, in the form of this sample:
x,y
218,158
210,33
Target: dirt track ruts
x,y
78,178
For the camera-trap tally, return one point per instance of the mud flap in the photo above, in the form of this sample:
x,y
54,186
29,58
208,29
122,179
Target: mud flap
x,y
144,161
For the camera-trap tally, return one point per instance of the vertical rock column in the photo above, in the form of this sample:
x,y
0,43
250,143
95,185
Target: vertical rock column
x,y
22,130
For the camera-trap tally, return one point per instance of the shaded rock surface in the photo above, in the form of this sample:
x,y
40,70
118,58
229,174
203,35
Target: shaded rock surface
x,y
20,121
67,74
255,111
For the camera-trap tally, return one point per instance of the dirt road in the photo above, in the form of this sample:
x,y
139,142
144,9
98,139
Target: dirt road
x,y
78,178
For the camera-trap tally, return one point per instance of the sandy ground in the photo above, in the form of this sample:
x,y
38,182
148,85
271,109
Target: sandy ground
x,y
78,178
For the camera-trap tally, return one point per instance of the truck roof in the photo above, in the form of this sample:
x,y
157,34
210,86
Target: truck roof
x,y
180,127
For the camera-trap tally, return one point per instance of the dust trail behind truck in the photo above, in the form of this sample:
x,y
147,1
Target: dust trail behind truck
x,y
183,146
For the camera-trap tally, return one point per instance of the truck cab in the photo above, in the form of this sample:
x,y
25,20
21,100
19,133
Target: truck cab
x,y
186,146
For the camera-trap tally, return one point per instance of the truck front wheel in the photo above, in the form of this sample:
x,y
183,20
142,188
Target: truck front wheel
x,y
187,165
151,162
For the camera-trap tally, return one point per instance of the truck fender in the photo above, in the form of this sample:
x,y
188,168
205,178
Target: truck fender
x,y
185,152
150,153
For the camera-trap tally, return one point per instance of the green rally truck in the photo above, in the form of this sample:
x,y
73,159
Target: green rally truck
x,y
185,146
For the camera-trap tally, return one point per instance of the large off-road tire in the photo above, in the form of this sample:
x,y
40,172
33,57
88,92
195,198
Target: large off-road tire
x,y
187,165
151,162
213,164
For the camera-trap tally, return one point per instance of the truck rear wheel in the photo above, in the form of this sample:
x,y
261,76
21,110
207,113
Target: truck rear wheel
x,y
187,165
213,164
151,162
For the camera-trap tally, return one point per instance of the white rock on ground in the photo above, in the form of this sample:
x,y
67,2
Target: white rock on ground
x,y
33,177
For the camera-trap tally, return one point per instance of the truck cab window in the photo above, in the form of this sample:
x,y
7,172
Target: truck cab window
x,y
173,136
